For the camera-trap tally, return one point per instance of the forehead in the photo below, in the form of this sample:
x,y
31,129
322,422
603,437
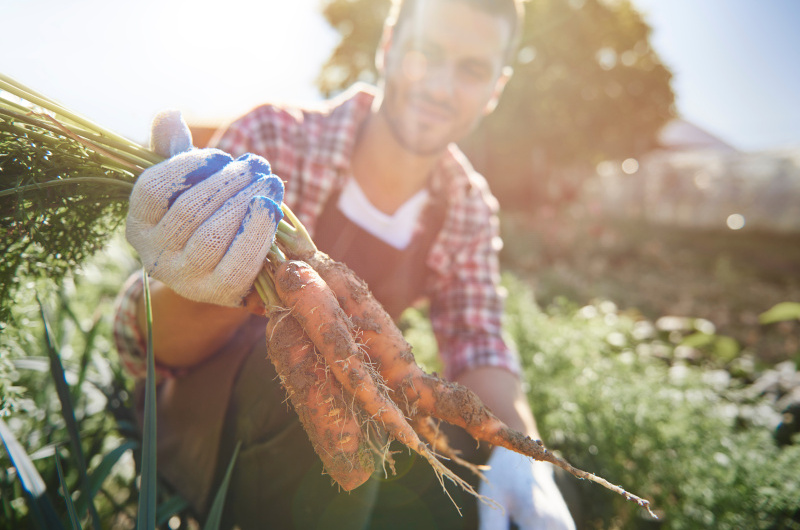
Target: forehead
x,y
457,27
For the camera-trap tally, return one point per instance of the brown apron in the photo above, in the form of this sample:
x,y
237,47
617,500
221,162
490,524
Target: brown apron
x,y
234,396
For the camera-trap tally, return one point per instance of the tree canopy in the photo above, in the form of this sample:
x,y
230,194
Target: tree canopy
x,y
587,87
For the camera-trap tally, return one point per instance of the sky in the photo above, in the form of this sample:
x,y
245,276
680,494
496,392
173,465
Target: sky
x,y
736,63
736,66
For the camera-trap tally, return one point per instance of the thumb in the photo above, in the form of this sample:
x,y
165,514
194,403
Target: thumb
x,y
169,134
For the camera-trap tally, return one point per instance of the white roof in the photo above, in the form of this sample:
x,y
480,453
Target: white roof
x,y
679,134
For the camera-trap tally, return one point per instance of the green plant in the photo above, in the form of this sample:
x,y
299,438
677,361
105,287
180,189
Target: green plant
x,y
695,440
64,184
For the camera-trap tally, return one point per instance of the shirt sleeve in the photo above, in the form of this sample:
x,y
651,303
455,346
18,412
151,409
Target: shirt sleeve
x,y
234,139
467,301
130,341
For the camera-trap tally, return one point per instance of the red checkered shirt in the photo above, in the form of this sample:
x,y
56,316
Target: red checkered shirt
x,y
311,150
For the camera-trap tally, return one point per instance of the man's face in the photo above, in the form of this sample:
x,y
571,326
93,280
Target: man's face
x,y
442,72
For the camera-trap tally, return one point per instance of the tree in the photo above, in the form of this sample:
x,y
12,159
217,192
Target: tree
x,y
587,87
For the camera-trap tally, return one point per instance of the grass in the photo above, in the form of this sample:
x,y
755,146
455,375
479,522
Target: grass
x,y
70,421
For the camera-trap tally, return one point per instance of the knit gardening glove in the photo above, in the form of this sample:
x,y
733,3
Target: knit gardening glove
x,y
201,221
526,490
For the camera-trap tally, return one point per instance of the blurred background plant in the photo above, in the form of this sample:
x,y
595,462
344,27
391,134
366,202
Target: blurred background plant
x,y
104,466
668,408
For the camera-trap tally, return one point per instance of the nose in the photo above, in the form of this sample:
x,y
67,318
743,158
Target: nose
x,y
439,81
435,77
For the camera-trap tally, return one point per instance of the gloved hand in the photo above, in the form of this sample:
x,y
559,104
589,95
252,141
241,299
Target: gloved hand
x,y
526,490
202,222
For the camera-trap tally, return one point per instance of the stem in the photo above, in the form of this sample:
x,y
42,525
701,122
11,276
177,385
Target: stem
x,y
53,143
136,157
65,182
294,237
18,89
266,289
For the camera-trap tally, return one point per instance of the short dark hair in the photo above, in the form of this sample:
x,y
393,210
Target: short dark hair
x,y
511,10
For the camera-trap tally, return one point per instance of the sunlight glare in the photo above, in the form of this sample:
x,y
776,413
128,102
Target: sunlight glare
x,y
605,169
630,166
606,58
735,221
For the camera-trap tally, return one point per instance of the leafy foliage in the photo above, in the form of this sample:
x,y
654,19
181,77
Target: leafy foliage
x,y
46,231
609,391
613,393
64,187
99,391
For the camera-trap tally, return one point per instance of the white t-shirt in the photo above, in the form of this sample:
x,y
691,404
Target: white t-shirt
x,y
396,229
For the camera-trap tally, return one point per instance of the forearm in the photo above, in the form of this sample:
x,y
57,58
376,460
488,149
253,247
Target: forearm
x,y
501,391
187,332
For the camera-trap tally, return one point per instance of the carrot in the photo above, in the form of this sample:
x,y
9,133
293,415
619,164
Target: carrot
x,y
314,305
422,393
330,423
427,428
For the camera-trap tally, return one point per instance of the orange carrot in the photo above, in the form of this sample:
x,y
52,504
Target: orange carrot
x,y
314,305
423,393
331,424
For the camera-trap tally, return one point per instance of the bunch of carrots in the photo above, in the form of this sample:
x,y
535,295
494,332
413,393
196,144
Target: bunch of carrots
x,y
345,365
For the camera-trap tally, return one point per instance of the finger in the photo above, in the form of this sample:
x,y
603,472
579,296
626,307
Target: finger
x,y
213,239
247,252
161,185
195,206
169,134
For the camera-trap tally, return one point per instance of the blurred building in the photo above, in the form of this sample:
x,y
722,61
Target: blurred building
x,y
695,179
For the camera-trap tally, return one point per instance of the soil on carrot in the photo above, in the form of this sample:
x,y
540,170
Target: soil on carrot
x,y
335,429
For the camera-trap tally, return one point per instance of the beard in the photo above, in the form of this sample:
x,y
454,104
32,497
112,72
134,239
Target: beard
x,y
415,135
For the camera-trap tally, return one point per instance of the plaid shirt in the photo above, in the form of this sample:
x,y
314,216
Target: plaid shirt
x,y
311,150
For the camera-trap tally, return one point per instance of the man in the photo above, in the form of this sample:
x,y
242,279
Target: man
x,y
376,178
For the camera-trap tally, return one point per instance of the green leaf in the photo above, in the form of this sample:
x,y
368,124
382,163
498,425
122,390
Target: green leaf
x,y
67,410
698,340
215,514
42,510
147,495
73,518
726,348
780,313
101,472
174,505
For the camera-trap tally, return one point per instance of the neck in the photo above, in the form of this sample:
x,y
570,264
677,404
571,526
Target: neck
x,y
388,173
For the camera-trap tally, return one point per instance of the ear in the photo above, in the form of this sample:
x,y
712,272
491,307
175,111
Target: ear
x,y
499,86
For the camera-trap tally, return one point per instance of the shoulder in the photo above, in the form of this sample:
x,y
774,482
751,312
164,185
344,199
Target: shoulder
x,y
471,200
471,229
310,126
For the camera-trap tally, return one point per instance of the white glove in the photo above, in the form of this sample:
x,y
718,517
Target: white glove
x,y
202,222
526,489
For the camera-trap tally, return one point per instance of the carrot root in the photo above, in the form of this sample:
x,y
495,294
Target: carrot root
x,y
421,394
315,306
331,425
426,394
